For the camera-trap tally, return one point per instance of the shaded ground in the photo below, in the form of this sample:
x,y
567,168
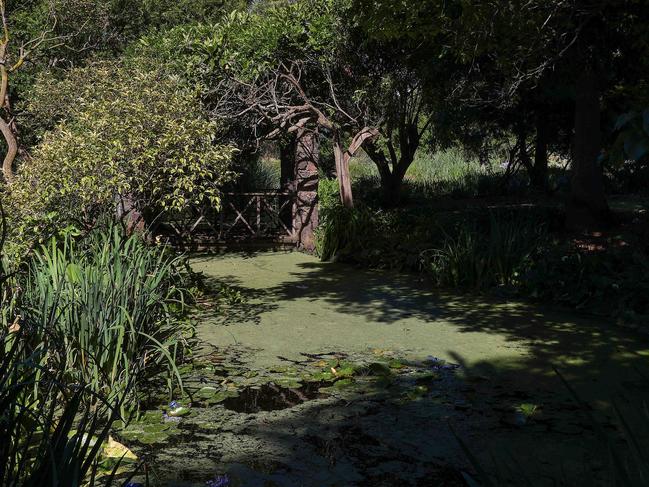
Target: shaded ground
x,y
504,401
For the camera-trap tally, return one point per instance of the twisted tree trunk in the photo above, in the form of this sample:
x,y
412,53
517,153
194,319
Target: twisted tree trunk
x,y
305,219
5,128
343,156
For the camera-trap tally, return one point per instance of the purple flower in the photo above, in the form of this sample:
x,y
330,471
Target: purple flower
x,y
439,364
173,404
219,481
134,484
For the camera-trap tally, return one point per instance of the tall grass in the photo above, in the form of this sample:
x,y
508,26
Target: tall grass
x,y
449,172
341,230
49,433
113,304
467,251
481,255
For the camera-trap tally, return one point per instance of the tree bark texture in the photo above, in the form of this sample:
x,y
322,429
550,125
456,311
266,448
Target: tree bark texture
x,y
305,216
539,174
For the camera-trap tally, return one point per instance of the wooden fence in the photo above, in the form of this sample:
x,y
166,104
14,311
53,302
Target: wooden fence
x,y
267,215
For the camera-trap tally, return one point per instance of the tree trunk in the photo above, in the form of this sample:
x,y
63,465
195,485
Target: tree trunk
x,y
539,173
306,187
392,181
5,128
343,156
12,151
587,207
129,215
342,173
523,155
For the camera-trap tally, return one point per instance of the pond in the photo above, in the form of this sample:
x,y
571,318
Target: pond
x,y
323,374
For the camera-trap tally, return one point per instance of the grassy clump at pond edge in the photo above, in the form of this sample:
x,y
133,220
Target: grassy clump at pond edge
x,y
117,306
86,325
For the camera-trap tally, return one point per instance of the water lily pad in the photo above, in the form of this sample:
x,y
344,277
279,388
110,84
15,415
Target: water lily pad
x,y
149,434
115,450
395,364
343,383
222,396
207,392
345,372
179,412
288,383
323,376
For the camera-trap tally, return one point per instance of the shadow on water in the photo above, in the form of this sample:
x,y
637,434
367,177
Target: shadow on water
x,y
589,347
270,397
594,356
385,427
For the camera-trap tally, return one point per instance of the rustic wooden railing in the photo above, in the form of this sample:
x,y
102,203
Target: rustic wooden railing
x,y
264,215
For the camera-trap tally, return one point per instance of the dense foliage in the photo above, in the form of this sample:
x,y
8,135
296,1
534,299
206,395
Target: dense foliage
x,y
51,435
109,135
510,252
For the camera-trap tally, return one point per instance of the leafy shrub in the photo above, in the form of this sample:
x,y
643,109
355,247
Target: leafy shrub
x,y
52,430
110,135
630,176
342,231
627,162
115,306
512,250
612,282
470,250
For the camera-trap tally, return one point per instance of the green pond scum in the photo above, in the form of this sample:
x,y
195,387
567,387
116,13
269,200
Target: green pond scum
x,y
324,375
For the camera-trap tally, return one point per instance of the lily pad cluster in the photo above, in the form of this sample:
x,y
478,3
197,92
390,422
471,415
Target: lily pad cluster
x,y
230,384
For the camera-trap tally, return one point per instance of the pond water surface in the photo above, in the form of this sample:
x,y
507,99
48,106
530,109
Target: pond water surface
x,y
326,375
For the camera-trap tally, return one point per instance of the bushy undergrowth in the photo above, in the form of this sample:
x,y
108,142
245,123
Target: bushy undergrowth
x,y
629,177
483,254
114,305
342,231
612,282
512,251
